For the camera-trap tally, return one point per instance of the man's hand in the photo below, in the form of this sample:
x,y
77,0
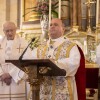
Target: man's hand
x,y
6,78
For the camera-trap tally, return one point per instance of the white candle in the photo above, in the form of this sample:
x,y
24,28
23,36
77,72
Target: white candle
x,y
49,12
97,13
59,9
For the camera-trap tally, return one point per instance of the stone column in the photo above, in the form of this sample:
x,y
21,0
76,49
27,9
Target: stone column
x,y
74,20
79,14
75,9
71,12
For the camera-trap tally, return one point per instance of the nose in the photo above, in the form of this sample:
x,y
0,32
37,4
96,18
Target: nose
x,y
10,32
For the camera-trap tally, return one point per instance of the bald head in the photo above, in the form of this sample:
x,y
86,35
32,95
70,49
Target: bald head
x,y
57,20
56,28
8,24
9,29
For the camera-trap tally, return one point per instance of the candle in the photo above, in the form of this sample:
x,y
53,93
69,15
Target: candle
x,y
97,13
49,12
59,9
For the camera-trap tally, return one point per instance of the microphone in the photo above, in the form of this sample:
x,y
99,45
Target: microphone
x,y
20,58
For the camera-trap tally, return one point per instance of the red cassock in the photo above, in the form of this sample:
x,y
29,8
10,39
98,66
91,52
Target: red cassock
x,y
81,78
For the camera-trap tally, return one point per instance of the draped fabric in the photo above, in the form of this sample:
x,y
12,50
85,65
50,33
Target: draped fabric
x,y
81,78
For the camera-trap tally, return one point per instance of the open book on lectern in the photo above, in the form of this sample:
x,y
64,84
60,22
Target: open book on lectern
x,y
45,67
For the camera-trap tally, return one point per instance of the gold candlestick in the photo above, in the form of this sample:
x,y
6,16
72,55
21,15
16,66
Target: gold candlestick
x,y
88,4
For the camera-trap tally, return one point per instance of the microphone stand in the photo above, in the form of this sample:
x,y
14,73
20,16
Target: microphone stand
x,y
20,58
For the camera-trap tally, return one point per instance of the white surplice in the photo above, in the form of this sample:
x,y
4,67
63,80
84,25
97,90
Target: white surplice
x,y
10,50
58,52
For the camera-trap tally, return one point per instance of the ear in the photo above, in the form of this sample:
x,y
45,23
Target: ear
x,y
63,26
64,29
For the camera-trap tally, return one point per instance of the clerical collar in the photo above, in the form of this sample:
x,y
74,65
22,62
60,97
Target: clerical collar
x,y
57,39
10,40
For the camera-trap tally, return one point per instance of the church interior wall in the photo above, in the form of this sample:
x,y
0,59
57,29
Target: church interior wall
x,y
2,14
8,12
13,11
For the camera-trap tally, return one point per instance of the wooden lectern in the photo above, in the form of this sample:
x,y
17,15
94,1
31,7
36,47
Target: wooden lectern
x,y
36,69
